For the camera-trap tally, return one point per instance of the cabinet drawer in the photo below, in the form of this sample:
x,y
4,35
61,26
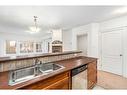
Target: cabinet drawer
x,y
62,84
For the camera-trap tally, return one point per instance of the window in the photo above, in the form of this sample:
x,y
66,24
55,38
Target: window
x,y
26,47
10,47
39,47
20,47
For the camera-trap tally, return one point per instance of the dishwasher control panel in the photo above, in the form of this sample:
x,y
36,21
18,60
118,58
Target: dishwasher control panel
x,y
78,70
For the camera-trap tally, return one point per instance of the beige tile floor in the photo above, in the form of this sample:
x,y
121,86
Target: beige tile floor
x,y
98,88
107,81
111,81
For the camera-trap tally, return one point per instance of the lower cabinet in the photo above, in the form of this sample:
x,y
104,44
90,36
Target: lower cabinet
x,y
61,81
62,84
92,75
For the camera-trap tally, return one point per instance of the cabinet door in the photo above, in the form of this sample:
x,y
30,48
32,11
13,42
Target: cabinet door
x,y
92,75
61,81
62,84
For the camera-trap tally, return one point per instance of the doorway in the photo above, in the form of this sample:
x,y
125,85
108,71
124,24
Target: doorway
x,y
82,43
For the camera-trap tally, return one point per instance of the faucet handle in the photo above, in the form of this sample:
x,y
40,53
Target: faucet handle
x,y
36,60
13,76
40,62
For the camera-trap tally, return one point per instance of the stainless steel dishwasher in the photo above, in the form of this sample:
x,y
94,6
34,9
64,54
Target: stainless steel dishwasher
x,y
79,78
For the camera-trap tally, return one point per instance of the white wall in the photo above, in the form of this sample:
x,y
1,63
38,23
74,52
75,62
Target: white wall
x,y
82,43
93,45
67,40
79,31
10,36
113,23
57,34
92,30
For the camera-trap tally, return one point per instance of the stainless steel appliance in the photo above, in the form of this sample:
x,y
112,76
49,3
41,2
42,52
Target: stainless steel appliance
x,y
79,77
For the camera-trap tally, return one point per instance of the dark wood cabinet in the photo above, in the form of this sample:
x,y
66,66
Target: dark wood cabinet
x,y
92,75
61,81
61,84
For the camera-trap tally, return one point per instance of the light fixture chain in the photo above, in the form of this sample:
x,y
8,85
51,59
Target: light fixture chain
x,y
35,20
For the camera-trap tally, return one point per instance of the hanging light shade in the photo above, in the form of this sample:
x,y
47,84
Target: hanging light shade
x,y
35,28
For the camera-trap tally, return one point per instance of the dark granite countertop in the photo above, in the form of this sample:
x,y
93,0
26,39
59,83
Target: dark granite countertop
x,y
69,64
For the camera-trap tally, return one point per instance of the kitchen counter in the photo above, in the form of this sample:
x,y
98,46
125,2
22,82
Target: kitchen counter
x,y
14,58
69,64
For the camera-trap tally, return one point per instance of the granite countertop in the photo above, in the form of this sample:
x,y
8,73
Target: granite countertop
x,y
69,64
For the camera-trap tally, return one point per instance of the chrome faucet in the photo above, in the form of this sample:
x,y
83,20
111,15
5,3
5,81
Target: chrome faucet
x,y
37,63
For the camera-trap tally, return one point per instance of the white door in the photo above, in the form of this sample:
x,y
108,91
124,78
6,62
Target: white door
x,y
112,52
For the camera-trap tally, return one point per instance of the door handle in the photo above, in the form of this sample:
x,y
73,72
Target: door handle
x,y
121,55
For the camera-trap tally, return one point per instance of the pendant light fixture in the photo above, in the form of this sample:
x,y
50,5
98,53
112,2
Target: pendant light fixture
x,y
35,28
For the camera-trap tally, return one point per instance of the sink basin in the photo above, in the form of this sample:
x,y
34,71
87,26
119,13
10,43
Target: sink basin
x,y
21,75
50,67
25,74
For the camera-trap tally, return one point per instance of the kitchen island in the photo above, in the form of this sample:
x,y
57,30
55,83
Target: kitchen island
x,y
56,80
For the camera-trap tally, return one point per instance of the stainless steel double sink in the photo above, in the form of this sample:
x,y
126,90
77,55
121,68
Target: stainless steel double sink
x,y
25,74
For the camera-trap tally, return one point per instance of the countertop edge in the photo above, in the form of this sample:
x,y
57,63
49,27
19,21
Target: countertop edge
x,y
5,59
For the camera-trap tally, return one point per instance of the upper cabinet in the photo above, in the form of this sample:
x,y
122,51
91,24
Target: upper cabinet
x,y
10,47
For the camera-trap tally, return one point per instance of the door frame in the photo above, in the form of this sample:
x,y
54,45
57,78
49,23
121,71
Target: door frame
x,y
83,34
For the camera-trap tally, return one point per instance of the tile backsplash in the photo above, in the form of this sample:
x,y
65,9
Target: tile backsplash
x,y
17,64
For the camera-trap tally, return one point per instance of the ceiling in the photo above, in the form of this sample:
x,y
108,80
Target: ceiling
x,y
18,19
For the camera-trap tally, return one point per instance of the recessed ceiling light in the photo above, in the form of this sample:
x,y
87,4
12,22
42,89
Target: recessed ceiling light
x,y
121,10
